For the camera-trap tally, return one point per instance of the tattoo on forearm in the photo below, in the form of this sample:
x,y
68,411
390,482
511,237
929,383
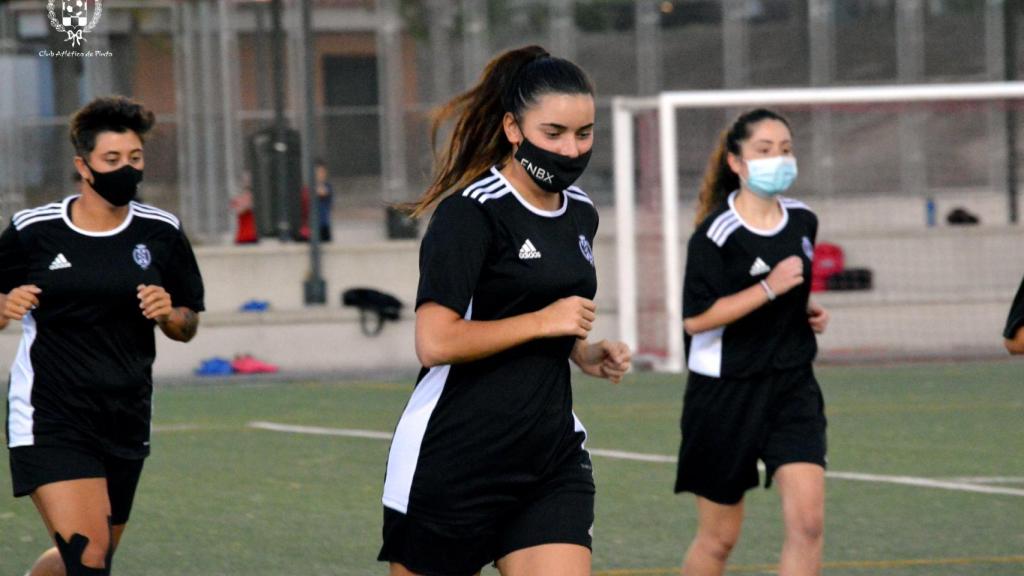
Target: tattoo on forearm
x,y
190,323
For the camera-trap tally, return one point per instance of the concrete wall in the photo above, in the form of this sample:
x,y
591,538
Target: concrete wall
x,y
317,339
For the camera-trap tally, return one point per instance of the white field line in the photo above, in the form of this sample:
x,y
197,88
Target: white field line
x,y
318,431
989,479
927,483
641,457
637,456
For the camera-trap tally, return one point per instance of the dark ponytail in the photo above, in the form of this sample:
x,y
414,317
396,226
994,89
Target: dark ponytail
x,y
719,179
512,82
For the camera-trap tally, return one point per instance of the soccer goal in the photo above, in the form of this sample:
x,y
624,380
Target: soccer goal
x,y
885,168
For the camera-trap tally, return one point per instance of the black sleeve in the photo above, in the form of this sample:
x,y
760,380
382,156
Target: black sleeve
x,y
13,260
182,279
1015,321
452,254
704,282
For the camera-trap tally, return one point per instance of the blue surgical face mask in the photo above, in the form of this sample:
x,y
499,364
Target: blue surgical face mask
x,y
769,177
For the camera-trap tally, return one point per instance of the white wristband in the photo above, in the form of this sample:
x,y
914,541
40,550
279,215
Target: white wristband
x,y
768,290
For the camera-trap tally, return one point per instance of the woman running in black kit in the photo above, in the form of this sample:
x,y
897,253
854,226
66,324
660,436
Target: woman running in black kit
x,y
751,393
89,278
488,464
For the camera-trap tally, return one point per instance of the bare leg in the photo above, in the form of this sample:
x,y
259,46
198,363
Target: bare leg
x,y
718,530
51,564
547,560
73,507
802,488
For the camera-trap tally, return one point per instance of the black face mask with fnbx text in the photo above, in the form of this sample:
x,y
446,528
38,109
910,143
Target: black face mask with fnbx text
x,y
119,187
551,171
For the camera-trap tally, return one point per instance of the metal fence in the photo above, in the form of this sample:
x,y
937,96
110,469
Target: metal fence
x,y
206,68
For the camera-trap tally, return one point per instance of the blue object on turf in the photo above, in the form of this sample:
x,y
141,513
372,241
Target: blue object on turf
x,y
215,366
255,306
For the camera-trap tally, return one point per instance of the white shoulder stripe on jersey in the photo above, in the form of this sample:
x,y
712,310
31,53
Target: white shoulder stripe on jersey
x,y
720,221
715,233
485,189
723,235
158,214
580,197
791,203
723,221
577,190
30,221
25,214
26,217
482,183
494,195
147,209
153,209
173,223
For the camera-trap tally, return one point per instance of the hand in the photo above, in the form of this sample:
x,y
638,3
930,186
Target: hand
x,y
20,301
572,316
604,359
786,275
818,317
155,303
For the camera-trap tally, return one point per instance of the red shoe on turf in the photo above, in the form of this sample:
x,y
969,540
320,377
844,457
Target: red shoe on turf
x,y
246,364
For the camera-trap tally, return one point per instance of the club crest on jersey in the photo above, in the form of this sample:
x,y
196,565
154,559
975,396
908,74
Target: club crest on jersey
x,y
538,172
142,256
808,248
585,248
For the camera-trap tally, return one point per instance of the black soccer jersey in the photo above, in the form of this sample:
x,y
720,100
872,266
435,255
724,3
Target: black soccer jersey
x,y
725,256
1015,321
83,368
475,436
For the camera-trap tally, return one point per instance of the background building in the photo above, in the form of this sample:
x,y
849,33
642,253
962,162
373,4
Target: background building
x,y
206,67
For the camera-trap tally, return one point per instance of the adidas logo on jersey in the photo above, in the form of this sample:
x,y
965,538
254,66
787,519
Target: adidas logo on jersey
x,y
60,262
759,268
528,251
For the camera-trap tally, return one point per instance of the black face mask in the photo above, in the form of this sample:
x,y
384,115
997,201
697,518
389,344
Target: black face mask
x,y
119,187
552,172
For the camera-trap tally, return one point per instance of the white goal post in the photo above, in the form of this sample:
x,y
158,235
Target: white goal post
x,y
624,111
